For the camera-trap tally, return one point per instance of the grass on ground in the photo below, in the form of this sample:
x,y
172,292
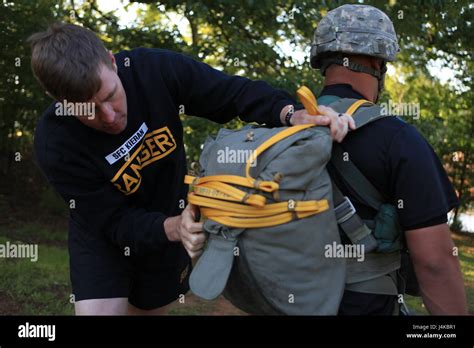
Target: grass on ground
x,y
43,287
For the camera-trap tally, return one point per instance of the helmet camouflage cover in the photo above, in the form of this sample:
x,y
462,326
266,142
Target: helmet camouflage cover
x,y
354,29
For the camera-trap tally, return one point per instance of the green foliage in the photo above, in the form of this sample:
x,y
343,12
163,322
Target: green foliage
x,y
52,203
21,101
456,225
251,38
445,120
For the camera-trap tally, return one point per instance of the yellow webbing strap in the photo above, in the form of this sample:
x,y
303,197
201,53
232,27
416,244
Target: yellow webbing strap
x,y
242,216
309,100
226,192
311,104
266,186
353,108
271,141
267,210
214,193
259,222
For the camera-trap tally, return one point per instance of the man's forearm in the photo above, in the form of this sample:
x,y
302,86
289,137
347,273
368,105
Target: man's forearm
x,y
442,287
437,269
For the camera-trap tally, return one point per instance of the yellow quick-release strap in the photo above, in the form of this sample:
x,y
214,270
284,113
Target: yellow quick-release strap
x,y
226,192
309,100
259,222
353,108
215,195
242,210
239,215
266,186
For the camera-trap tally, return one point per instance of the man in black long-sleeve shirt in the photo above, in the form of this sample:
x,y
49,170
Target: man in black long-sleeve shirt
x,y
120,162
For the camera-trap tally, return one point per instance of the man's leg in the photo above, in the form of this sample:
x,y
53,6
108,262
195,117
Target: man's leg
x,y
358,303
101,274
114,306
159,279
102,306
132,310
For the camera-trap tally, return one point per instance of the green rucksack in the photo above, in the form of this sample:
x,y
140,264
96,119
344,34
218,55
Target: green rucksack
x,y
273,217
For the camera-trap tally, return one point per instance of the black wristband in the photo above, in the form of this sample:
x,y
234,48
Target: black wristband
x,y
289,115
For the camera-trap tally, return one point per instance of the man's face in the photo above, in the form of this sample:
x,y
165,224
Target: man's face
x,y
110,103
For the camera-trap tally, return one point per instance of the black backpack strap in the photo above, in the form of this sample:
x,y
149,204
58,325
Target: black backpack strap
x,y
352,225
353,178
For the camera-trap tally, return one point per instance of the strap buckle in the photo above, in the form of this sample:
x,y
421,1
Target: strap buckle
x,y
344,210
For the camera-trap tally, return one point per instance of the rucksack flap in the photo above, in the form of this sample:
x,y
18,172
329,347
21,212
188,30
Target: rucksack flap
x,y
210,274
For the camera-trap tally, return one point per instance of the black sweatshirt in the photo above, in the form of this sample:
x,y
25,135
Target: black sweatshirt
x,y
128,201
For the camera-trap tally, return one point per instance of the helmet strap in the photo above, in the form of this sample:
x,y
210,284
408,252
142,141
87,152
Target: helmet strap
x,y
378,74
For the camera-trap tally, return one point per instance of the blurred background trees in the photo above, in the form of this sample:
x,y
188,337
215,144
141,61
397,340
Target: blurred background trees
x,y
263,39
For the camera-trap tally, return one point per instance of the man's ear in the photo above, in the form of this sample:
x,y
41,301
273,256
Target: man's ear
x,y
112,58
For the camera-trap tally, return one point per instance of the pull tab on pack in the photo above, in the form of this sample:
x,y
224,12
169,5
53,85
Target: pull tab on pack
x,y
309,100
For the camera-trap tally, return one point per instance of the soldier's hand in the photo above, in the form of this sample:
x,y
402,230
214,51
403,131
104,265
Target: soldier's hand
x,y
338,123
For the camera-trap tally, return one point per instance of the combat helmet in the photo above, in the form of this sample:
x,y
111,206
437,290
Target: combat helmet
x,y
354,29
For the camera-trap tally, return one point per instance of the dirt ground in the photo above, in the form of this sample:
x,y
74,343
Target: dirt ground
x,y
194,305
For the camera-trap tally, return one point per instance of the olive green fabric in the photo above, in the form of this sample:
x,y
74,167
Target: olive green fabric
x,y
280,269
